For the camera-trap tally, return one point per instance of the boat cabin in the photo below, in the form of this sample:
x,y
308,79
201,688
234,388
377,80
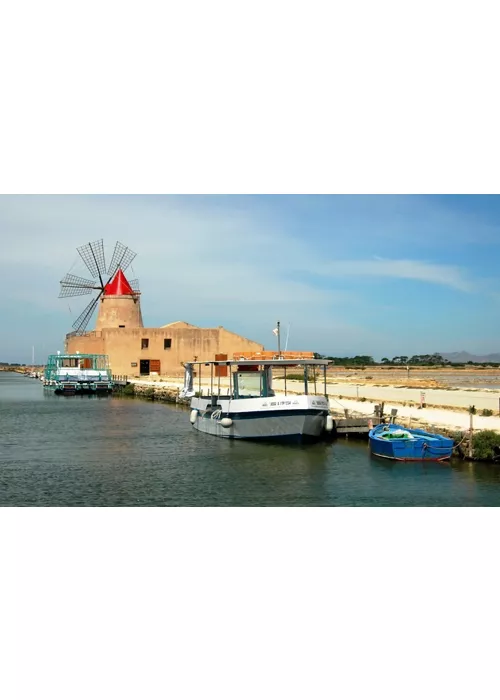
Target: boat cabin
x,y
246,379
78,372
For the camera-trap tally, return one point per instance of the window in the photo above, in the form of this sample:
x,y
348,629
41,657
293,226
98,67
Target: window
x,y
144,343
121,326
167,343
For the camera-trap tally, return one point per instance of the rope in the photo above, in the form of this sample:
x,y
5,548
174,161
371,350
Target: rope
x,y
462,440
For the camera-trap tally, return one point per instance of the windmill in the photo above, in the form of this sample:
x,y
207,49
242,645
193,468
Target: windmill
x,y
105,280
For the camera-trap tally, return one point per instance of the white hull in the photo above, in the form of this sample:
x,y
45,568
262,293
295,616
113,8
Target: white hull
x,y
293,418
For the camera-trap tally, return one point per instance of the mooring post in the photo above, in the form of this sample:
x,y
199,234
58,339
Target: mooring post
x,y
471,433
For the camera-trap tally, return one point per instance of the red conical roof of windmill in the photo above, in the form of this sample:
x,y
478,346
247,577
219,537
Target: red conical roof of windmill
x,y
118,286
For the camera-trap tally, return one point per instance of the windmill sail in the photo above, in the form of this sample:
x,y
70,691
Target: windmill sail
x,y
73,286
92,255
82,321
122,257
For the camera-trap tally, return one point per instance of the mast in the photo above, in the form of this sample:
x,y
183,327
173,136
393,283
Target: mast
x,y
279,340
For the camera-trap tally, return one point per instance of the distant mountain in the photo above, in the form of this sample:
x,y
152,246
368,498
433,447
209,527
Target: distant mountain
x,y
467,357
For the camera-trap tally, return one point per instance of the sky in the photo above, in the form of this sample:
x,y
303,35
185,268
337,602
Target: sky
x,y
381,275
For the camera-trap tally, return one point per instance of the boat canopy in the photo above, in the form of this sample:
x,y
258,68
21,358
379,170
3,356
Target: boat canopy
x,y
268,363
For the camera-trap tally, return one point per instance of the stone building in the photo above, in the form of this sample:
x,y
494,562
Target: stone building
x,y
137,351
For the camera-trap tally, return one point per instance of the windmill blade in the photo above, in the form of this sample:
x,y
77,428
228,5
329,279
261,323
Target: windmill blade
x,y
73,286
135,285
122,257
81,322
92,255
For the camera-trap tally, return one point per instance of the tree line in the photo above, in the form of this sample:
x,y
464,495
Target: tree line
x,y
433,360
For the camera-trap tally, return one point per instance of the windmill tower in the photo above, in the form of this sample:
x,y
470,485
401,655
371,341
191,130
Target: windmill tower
x,y
119,306
117,300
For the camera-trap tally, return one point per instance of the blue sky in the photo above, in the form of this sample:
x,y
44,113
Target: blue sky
x,y
378,274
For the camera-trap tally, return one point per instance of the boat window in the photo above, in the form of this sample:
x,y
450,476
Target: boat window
x,y
250,384
70,362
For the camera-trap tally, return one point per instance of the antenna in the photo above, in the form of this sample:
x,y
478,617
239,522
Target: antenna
x,y
94,259
287,336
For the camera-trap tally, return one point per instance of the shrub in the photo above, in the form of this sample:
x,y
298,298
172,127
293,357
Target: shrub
x,y
487,412
363,399
484,444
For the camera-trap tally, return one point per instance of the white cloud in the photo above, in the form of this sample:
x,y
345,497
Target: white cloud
x,y
434,273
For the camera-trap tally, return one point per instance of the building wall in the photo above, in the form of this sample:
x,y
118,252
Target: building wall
x,y
187,343
92,342
119,310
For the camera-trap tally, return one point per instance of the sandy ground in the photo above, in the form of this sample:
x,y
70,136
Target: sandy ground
x,y
450,409
459,398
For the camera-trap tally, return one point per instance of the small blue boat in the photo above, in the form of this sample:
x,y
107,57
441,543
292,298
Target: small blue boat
x,y
409,444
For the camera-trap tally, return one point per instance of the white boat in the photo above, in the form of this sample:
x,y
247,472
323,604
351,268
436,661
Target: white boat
x,y
78,374
249,409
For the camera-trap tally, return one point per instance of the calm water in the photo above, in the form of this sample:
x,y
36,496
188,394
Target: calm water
x,y
57,451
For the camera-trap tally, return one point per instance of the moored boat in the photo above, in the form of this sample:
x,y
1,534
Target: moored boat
x,y
78,374
409,444
248,408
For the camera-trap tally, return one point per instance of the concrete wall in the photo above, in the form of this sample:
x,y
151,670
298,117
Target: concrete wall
x,y
124,346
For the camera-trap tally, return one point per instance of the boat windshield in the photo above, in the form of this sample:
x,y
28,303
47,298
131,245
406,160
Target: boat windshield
x,y
252,385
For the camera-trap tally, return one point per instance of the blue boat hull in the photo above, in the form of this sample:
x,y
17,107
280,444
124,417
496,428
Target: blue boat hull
x,y
416,446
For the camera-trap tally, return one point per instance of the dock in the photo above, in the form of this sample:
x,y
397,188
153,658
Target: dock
x,y
357,426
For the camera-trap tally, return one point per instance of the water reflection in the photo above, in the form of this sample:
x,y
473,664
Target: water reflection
x,y
478,471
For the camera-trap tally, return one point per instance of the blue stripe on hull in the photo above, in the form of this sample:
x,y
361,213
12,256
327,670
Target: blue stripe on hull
x,y
276,414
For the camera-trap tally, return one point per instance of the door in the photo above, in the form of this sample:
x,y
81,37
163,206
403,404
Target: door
x,y
221,370
144,367
155,366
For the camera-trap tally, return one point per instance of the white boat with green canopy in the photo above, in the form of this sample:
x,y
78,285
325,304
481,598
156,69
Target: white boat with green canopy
x,y
81,373
246,407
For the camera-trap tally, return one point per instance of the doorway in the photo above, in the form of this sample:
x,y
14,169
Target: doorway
x,y
144,367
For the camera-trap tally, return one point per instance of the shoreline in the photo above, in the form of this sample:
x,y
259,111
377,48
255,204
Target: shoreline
x,y
450,416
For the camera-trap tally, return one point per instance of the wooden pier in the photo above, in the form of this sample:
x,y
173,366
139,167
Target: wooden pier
x,y
359,425
356,426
